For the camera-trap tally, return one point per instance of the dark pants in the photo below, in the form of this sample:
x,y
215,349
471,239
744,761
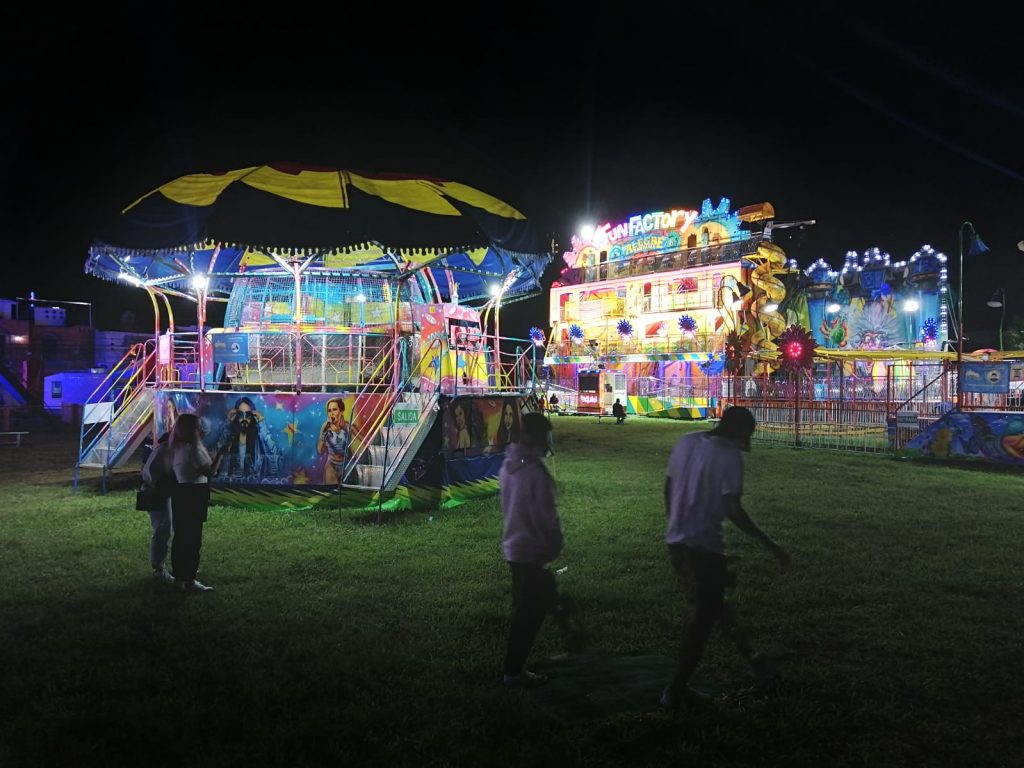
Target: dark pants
x,y
533,595
704,577
163,527
190,502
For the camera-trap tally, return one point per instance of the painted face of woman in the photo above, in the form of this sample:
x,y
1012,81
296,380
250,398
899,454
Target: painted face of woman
x,y
334,412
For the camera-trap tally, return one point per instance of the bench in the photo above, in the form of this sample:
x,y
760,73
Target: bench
x,y
12,438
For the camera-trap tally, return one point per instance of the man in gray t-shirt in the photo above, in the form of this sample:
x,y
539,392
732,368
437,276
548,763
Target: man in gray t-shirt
x,y
703,486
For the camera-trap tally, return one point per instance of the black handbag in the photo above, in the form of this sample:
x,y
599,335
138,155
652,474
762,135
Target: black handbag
x,y
149,499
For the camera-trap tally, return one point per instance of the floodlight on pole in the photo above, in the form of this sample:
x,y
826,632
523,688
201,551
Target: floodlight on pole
x,y
740,292
729,284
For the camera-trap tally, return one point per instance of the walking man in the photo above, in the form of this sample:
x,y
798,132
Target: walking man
x,y
703,486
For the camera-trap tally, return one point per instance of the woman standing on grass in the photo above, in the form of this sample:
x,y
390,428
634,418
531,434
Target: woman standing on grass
x,y
190,499
531,539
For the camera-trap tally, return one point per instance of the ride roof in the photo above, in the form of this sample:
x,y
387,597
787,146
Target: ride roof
x,y
225,225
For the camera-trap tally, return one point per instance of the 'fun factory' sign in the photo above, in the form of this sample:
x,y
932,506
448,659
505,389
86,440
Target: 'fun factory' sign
x,y
640,224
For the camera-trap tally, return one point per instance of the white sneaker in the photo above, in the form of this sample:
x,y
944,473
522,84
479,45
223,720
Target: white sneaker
x,y
162,576
193,586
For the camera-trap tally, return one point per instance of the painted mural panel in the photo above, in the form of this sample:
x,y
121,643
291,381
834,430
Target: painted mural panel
x,y
479,425
277,438
993,436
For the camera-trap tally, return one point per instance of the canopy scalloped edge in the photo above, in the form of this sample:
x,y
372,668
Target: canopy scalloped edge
x,y
473,268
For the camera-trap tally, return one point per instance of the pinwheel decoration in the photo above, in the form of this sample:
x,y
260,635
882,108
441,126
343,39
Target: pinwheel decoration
x,y
797,349
537,336
575,333
687,325
930,330
734,353
625,329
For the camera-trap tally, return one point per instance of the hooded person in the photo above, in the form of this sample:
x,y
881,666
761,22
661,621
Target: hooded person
x,y
531,539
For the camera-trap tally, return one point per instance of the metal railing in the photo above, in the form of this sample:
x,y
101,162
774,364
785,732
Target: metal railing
x,y
374,408
113,413
614,345
647,264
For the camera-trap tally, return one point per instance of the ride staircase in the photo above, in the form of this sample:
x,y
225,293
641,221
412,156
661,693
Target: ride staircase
x,y
117,416
398,419
12,391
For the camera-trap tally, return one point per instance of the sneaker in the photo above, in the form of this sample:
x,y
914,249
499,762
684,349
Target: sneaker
x,y
525,679
672,700
162,576
193,586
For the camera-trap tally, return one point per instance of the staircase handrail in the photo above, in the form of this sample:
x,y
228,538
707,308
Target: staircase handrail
x,y
382,417
381,370
426,400
922,388
136,371
128,365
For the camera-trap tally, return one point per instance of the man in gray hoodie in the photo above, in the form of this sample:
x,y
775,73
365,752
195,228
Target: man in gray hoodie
x,y
532,538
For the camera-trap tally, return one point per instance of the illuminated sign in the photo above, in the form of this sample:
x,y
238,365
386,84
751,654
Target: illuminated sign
x,y
640,224
645,244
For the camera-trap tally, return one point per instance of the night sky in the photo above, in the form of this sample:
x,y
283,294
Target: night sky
x,y
888,127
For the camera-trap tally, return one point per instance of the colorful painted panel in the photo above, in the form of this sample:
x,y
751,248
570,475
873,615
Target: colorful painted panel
x,y
482,425
992,436
279,438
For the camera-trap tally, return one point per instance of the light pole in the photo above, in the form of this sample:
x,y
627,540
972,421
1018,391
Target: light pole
x,y
998,301
976,248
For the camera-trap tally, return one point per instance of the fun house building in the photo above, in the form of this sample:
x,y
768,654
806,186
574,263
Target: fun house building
x,y
648,310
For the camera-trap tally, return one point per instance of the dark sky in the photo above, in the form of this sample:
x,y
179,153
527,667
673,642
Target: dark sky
x,y
889,124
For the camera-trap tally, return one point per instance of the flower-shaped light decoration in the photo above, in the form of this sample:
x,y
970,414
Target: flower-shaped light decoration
x,y
575,333
687,325
930,330
625,329
796,348
734,352
537,336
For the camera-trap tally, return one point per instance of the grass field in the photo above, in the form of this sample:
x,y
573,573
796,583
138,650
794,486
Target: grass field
x,y
333,641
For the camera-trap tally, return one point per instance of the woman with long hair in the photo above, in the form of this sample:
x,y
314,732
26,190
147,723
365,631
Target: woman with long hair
x,y
190,499
335,440
508,427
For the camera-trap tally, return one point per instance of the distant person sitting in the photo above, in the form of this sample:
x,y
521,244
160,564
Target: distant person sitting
x,y
553,402
619,412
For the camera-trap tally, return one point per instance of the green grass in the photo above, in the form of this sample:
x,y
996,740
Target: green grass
x,y
331,641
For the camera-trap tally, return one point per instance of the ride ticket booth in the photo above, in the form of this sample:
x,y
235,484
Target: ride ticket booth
x,y
598,390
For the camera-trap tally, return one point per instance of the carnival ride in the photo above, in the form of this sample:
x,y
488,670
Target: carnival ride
x,y
693,310
355,363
